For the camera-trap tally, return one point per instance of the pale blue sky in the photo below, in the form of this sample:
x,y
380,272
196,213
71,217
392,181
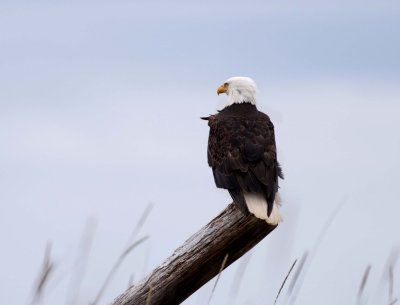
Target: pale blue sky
x,y
99,115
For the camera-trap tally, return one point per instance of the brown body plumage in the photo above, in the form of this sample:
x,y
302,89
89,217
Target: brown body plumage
x,y
242,153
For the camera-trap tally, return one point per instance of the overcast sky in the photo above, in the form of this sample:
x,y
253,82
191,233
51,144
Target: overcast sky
x,y
99,116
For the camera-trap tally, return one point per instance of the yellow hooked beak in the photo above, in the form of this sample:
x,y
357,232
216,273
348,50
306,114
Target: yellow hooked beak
x,y
222,89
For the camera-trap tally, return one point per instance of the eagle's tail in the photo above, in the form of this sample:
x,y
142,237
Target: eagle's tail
x,y
257,205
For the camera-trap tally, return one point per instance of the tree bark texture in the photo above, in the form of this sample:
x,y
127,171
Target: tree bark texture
x,y
198,260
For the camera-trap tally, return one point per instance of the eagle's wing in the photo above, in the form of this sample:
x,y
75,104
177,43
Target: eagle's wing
x,y
242,154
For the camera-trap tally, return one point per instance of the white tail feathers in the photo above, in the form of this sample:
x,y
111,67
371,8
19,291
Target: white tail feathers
x,y
257,205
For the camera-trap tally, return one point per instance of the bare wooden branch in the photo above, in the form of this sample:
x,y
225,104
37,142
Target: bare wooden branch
x,y
198,260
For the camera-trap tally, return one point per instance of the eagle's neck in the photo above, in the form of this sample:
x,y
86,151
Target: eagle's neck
x,y
242,109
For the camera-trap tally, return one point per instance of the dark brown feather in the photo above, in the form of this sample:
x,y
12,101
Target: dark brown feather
x,y
242,153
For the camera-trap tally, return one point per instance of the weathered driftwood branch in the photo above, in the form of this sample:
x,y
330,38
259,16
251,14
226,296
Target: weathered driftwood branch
x,y
198,260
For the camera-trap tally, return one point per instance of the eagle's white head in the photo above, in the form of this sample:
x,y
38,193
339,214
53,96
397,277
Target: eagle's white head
x,y
239,89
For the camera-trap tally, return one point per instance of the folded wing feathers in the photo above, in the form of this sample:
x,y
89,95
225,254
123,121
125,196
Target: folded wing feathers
x,y
242,154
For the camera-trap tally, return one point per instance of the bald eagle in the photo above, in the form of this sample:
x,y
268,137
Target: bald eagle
x,y
242,151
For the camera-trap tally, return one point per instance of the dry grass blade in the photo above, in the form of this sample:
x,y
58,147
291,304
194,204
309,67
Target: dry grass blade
x,y
327,225
141,221
237,280
133,246
127,250
116,266
46,270
305,263
391,283
130,282
388,276
363,284
81,262
394,302
284,281
218,276
146,260
297,273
